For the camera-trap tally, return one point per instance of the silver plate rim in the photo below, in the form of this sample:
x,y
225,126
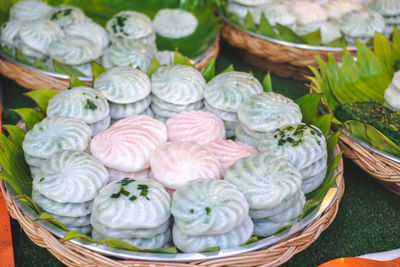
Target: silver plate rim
x,y
188,257
286,43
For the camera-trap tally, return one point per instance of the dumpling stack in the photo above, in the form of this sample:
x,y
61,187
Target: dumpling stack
x,y
126,89
224,94
392,93
52,135
82,103
175,164
137,212
66,185
176,88
272,187
390,10
264,113
126,146
195,126
210,213
174,23
304,147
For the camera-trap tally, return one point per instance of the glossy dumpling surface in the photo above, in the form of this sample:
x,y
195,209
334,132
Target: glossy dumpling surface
x,y
228,152
196,126
39,34
268,111
308,12
173,107
242,136
129,24
123,85
225,115
279,12
300,144
82,103
231,239
116,175
66,15
155,127
99,126
208,207
125,148
227,90
71,176
131,204
386,7
9,32
265,180
175,164
74,50
363,23
53,134
120,111
29,10
178,84
337,8
174,23
89,30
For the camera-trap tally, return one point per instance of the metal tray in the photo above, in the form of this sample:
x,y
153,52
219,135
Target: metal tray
x,y
185,257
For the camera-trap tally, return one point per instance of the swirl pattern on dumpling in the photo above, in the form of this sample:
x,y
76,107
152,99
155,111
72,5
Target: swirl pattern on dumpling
x,y
300,144
175,164
125,148
120,111
225,115
155,127
9,32
242,136
362,24
228,152
329,32
195,126
281,13
178,84
57,208
268,111
208,207
313,182
123,53
65,15
99,126
231,239
337,8
130,24
29,10
174,23
71,176
131,204
82,103
33,161
90,30
307,12
314,168
174,107
116,175
74,50
39,34
267,228
162,112
123,85
73,221
265,180
157,241
386,7
53,134
227,90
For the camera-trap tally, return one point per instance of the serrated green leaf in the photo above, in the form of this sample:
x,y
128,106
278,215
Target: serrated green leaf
x,y
27,200
181,59
248,23
212,249
209,71
74,81
287,34
119,244
267,83
16,134
41,97
384,53
324,123
331,143
340,42
66,69
30,116
169,250
265,28
74,235
251,240
228,69
43,216
313,38
21,57
309,106
97,70
153,68
40,65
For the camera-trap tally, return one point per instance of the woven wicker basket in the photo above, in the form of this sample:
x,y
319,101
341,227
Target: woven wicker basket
x,y
279,57
74,255
31,79
386,171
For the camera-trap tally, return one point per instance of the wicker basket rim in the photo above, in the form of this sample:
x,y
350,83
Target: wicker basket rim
x,y
187,257
286,43
89,79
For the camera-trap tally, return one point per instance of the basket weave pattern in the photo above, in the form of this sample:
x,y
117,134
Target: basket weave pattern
x,y
74,255
33,80
386,171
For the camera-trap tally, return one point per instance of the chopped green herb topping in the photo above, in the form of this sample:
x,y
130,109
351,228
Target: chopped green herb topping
x,y
41,179
144,189
116,195
298,132
126,181
191,211
133,198
124,192
90,105
41,128
208,210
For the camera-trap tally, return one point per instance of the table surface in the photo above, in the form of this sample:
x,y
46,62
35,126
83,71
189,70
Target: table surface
x,y
368,219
